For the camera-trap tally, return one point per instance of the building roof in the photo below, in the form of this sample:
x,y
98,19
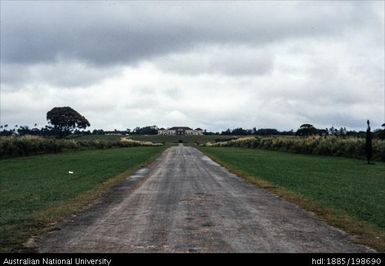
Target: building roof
x,y
198,129
176,128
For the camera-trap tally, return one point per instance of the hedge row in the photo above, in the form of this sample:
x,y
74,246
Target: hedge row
x,y
331,145
32,145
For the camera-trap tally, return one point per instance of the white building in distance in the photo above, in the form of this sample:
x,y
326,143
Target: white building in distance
x,y
178,131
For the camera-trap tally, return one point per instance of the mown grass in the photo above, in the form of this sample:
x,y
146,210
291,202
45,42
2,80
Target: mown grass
x,y
95,137
348,193
36,191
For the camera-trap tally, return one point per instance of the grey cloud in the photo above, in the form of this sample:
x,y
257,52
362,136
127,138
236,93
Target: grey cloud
x,y
58,74
127,32
210,65
229,60
173,92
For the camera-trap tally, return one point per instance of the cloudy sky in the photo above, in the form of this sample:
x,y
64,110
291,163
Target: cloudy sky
x,y
214,65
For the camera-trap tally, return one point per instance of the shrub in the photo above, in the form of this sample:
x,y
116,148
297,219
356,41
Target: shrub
x,y
332,145
32,145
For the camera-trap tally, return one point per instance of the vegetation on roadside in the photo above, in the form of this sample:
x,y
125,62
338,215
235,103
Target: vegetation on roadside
x,y
187,140
348,193
127,142
36,191
33,145
328,145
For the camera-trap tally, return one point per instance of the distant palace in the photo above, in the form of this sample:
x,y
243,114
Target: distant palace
x,y
174,131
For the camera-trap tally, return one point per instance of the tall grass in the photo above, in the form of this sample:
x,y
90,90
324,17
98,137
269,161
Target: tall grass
x,y
331,145
126,142
32,145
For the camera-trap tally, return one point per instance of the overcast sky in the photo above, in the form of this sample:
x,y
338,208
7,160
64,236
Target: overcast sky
x,y
214,65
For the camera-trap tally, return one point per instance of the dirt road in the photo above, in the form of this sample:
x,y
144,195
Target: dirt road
x,y
184,202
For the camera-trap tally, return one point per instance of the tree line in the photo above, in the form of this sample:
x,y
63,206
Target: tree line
x,y
64,121
304,130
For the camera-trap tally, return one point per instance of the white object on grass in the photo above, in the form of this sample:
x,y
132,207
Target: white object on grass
x,y
70,172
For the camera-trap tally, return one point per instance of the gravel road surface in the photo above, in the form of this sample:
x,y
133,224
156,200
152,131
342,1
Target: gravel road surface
x,y
185,202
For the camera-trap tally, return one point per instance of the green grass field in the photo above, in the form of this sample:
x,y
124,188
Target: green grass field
x,y
345,186
38,190
187,140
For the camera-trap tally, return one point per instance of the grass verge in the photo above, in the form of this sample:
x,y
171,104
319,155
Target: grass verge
x,y
37,191
346,193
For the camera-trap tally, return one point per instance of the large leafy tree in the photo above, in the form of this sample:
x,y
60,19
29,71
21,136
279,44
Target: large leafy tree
x,y
65,119
306,130
148,130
